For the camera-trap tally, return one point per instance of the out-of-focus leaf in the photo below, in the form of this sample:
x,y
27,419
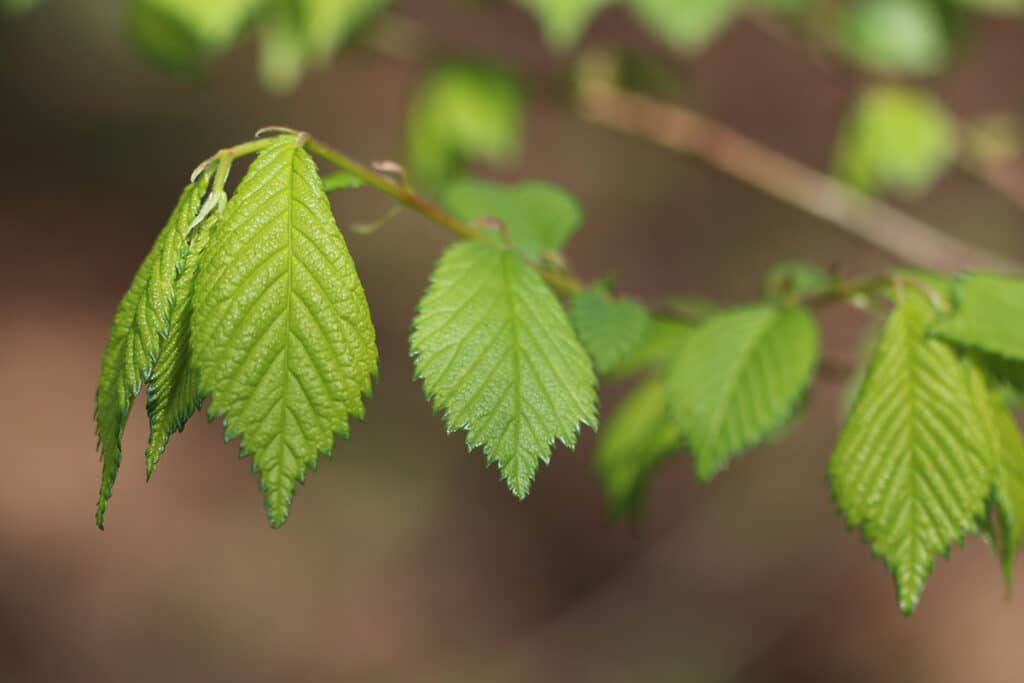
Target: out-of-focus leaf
x,y
609,328
688,26
462,113
895,138
895,36
564,21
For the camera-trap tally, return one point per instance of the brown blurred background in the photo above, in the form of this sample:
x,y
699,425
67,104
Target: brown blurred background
x,y
404,558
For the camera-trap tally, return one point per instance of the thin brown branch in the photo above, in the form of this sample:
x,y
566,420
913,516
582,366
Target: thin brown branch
x,y
682,130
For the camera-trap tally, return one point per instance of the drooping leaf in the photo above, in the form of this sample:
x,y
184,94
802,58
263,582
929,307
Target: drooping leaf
x,y
910,468
688,26
609,328
563,22
993,6
140,324
895,138
1002,438
496,352
739,378
462,113
282,59
662,342
638,436
18,6
895,36
539,216
173,394
215,25
328,25
281,332
989,310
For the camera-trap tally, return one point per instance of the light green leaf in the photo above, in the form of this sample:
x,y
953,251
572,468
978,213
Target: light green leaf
x,y
564,21
895,36
609,328
662,342
895,138
462,113
638,436
281,332
173,388
497,353
282,60
329,24
1002,438
539,216
739,378
341,180
989,315
215,25
140,324
688,26
910,469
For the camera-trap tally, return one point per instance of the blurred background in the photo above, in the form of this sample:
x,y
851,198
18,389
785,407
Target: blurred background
x,y
404,559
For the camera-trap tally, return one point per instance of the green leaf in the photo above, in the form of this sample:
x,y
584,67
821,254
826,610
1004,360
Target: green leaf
x,y
739,378
539,217
281,332
136,338
895,138
895,36
609,328
662,342
215,25
689,26
173,394
637,437
993,6
328,25
1002,438
18,6
795,278
341,180
988,315
909,468
282,60
564,21
462,113
496,352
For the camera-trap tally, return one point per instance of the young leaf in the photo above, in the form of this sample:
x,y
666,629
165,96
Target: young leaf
x,y
140,324
539,216
895,138
497,353
639,434
329,24
910,469
609,328
989,310
739,378
688,27
173,388
1002,438
281,332
661,343
895,36
795,278
462,113
564,21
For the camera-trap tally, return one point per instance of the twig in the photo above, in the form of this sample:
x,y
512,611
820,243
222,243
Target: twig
x,y
882,226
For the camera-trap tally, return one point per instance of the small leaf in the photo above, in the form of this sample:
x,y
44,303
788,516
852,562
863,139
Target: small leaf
x,y
173,392
609,328
795,278
688,27
564,21
327,25
215,25
989,309
910,469
341,180
662,342
539,217
739,378
895,138
638,436
895,36
140,324
281,332
497,353
462,113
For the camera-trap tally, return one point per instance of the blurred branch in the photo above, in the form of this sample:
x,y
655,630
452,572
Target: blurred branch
x,y
674,127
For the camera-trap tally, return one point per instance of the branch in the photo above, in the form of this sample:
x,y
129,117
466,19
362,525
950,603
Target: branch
x,y
880,225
